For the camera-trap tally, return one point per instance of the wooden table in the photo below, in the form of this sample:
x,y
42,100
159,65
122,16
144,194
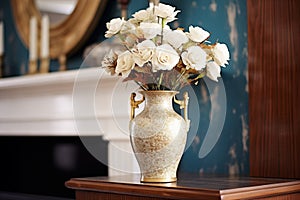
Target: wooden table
x,y
187,187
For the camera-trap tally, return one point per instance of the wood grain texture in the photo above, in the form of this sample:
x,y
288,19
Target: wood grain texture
x,y
84,195
284,197
274,84
188,187
80,195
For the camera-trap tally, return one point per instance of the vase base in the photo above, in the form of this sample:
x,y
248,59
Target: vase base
x,y
158,180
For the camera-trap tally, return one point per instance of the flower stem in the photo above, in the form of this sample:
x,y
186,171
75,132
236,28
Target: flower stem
x,y
178,79
163,21
141,85
160,80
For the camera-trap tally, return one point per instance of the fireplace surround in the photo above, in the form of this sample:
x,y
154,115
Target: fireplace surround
x,y
43,106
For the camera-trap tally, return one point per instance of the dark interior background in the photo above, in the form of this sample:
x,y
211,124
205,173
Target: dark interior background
x,y
41,165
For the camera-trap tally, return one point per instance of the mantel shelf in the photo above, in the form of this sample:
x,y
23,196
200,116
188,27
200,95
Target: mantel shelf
x,y
53,78
28,103
69,103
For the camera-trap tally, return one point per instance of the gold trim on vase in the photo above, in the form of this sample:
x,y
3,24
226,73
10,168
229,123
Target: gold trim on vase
x,y
158,180
134,104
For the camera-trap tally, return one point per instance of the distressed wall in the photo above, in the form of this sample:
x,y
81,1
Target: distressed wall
x,y
227,22
218,140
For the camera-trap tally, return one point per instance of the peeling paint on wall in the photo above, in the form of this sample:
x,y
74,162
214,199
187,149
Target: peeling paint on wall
x,y
213,6
194,4
233,169
232,152
247,79
231,12
215,104
227,22
245,134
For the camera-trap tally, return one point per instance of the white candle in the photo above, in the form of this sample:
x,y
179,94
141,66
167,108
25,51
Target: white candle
x,y
33,39
1,39
151,5
45,37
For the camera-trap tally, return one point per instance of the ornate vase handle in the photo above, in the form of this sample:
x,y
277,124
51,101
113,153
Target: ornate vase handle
x,y
134,104
184,105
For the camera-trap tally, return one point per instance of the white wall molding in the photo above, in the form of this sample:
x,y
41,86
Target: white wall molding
x,y
76,102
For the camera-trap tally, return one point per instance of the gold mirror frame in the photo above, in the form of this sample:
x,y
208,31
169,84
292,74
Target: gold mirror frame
x,y
67,36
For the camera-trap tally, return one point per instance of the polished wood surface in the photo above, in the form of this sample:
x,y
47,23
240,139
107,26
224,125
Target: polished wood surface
x,y
274,87
187,187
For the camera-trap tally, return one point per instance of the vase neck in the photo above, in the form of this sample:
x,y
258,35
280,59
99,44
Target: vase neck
x,y
160,99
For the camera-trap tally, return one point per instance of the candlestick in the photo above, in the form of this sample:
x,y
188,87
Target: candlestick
x,y
1,65
45,37
1,38
44,67
151,5
156,2
62,62
33,39
153,2
32,65
124,5
1,48
32,46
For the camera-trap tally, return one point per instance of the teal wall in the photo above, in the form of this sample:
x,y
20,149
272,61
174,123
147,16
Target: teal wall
x,y
226,20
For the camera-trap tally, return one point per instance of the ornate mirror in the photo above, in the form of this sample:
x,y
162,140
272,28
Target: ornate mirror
x,y
67,35
57,10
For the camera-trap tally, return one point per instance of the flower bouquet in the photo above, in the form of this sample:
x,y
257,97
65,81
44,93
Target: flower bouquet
x,y
161,61
159,58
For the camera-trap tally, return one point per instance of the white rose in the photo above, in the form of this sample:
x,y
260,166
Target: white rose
x,y
143,52
176,38
213,71
109,62
172,17
127,28
150,30
194,57
114,26
164,58
221,54
167,29
125,63
166,12
197,34
141,15
144,15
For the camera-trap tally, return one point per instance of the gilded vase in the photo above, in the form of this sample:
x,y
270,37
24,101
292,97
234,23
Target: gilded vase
x,y
158,135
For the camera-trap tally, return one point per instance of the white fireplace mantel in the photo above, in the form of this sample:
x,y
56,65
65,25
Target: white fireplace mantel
x,y
77,102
